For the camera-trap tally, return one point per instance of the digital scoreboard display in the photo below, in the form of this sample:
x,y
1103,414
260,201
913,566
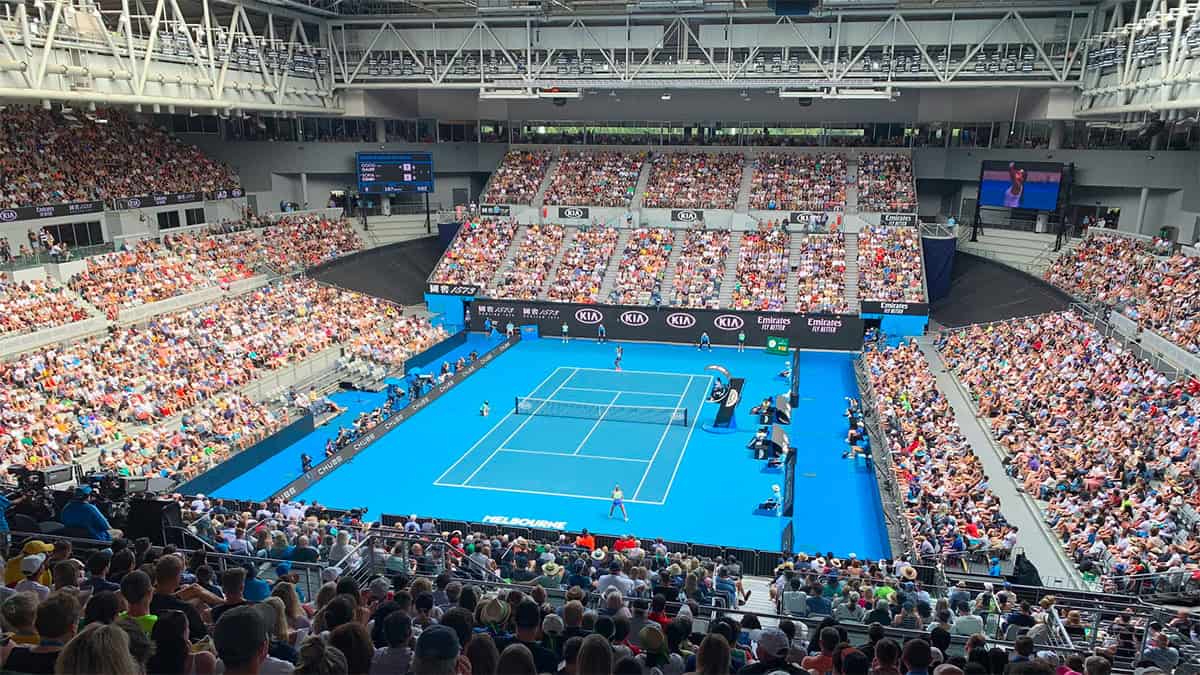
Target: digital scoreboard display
x,y
386,173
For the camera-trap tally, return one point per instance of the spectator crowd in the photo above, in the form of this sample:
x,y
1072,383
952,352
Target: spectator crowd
x,y
476,252
518,178
1161,292
886,184
1095,432
53,157
699,180
762,269
791,182
700,269
889,264
526,275
36,304
821,274
595,179
642,267
109,390
581,270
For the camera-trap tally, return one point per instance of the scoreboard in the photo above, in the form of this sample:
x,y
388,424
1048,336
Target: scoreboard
x,y
394,172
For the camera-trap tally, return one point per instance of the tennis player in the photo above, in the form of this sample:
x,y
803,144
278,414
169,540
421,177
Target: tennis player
x,y
1016,179
485,409
617,361
705,342
618,502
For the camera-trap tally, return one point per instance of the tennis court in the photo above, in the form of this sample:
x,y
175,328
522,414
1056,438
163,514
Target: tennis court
x,y
587,430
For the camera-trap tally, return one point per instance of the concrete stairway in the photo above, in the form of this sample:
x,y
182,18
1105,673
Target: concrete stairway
x,y
610,275
640,190
540,197
743,199
383,230
1029,252
510,255
851,277
792,279
668,281
731,263
567,242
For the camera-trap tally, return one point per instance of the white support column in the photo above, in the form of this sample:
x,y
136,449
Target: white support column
x,y
304,189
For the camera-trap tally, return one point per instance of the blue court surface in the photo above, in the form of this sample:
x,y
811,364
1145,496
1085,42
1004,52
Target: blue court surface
x,y
580,428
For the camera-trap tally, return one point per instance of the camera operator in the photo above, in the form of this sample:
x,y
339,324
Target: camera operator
x,y
81,513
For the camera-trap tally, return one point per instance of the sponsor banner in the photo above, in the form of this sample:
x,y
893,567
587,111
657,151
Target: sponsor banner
x,y
327,466
891,307
230,193
898,219
495,210
572,212
452,289
49,211
807,218
686,216
146,201
670,324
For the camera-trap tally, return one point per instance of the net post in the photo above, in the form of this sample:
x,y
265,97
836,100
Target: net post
x,y
685,416
516,405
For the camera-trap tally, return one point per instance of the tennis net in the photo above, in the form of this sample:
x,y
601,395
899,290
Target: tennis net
x,y
527,405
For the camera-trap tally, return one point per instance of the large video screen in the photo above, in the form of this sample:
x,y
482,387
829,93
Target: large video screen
x,y
1020,185
387,173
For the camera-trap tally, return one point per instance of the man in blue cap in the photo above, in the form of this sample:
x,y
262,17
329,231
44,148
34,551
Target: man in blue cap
x,y
80,513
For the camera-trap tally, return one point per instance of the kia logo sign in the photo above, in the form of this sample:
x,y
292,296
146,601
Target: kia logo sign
x,y
571,213
589,316
635,318
687,216
133,203
8,215
729,322
681,320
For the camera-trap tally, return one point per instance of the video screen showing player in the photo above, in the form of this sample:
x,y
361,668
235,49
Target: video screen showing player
x,y
1020,185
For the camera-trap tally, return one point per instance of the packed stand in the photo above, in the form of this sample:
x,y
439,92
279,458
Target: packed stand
x,y
681,180
151,271
1092,430
889,264
700,269
295,243
526,275
476,252
635,609
517,179
59,400
51,158
808,182
885,183
643,266
595,179
947,503
821,274
1160,292
36,304
762,270
581,271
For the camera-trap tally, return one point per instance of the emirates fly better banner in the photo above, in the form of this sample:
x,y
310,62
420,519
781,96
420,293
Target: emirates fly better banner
x,y
673,324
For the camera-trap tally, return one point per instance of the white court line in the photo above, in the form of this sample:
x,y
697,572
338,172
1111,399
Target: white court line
x,y
596,424
563,454
623,391
635,372
546,494
494,427
686,441
666,430
520,426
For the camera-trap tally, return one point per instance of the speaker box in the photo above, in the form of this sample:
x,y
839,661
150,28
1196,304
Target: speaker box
x,y
151,517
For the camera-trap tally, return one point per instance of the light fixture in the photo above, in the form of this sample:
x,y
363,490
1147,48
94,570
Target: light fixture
x,y
507,95
666,96
555,93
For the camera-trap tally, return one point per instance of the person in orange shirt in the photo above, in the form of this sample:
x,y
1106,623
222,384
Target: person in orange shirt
x,y
586,540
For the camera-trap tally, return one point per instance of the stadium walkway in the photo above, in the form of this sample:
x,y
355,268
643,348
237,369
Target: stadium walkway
x,y
1040,546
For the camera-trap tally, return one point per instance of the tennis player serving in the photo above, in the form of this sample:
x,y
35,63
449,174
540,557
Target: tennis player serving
x,y
618,502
